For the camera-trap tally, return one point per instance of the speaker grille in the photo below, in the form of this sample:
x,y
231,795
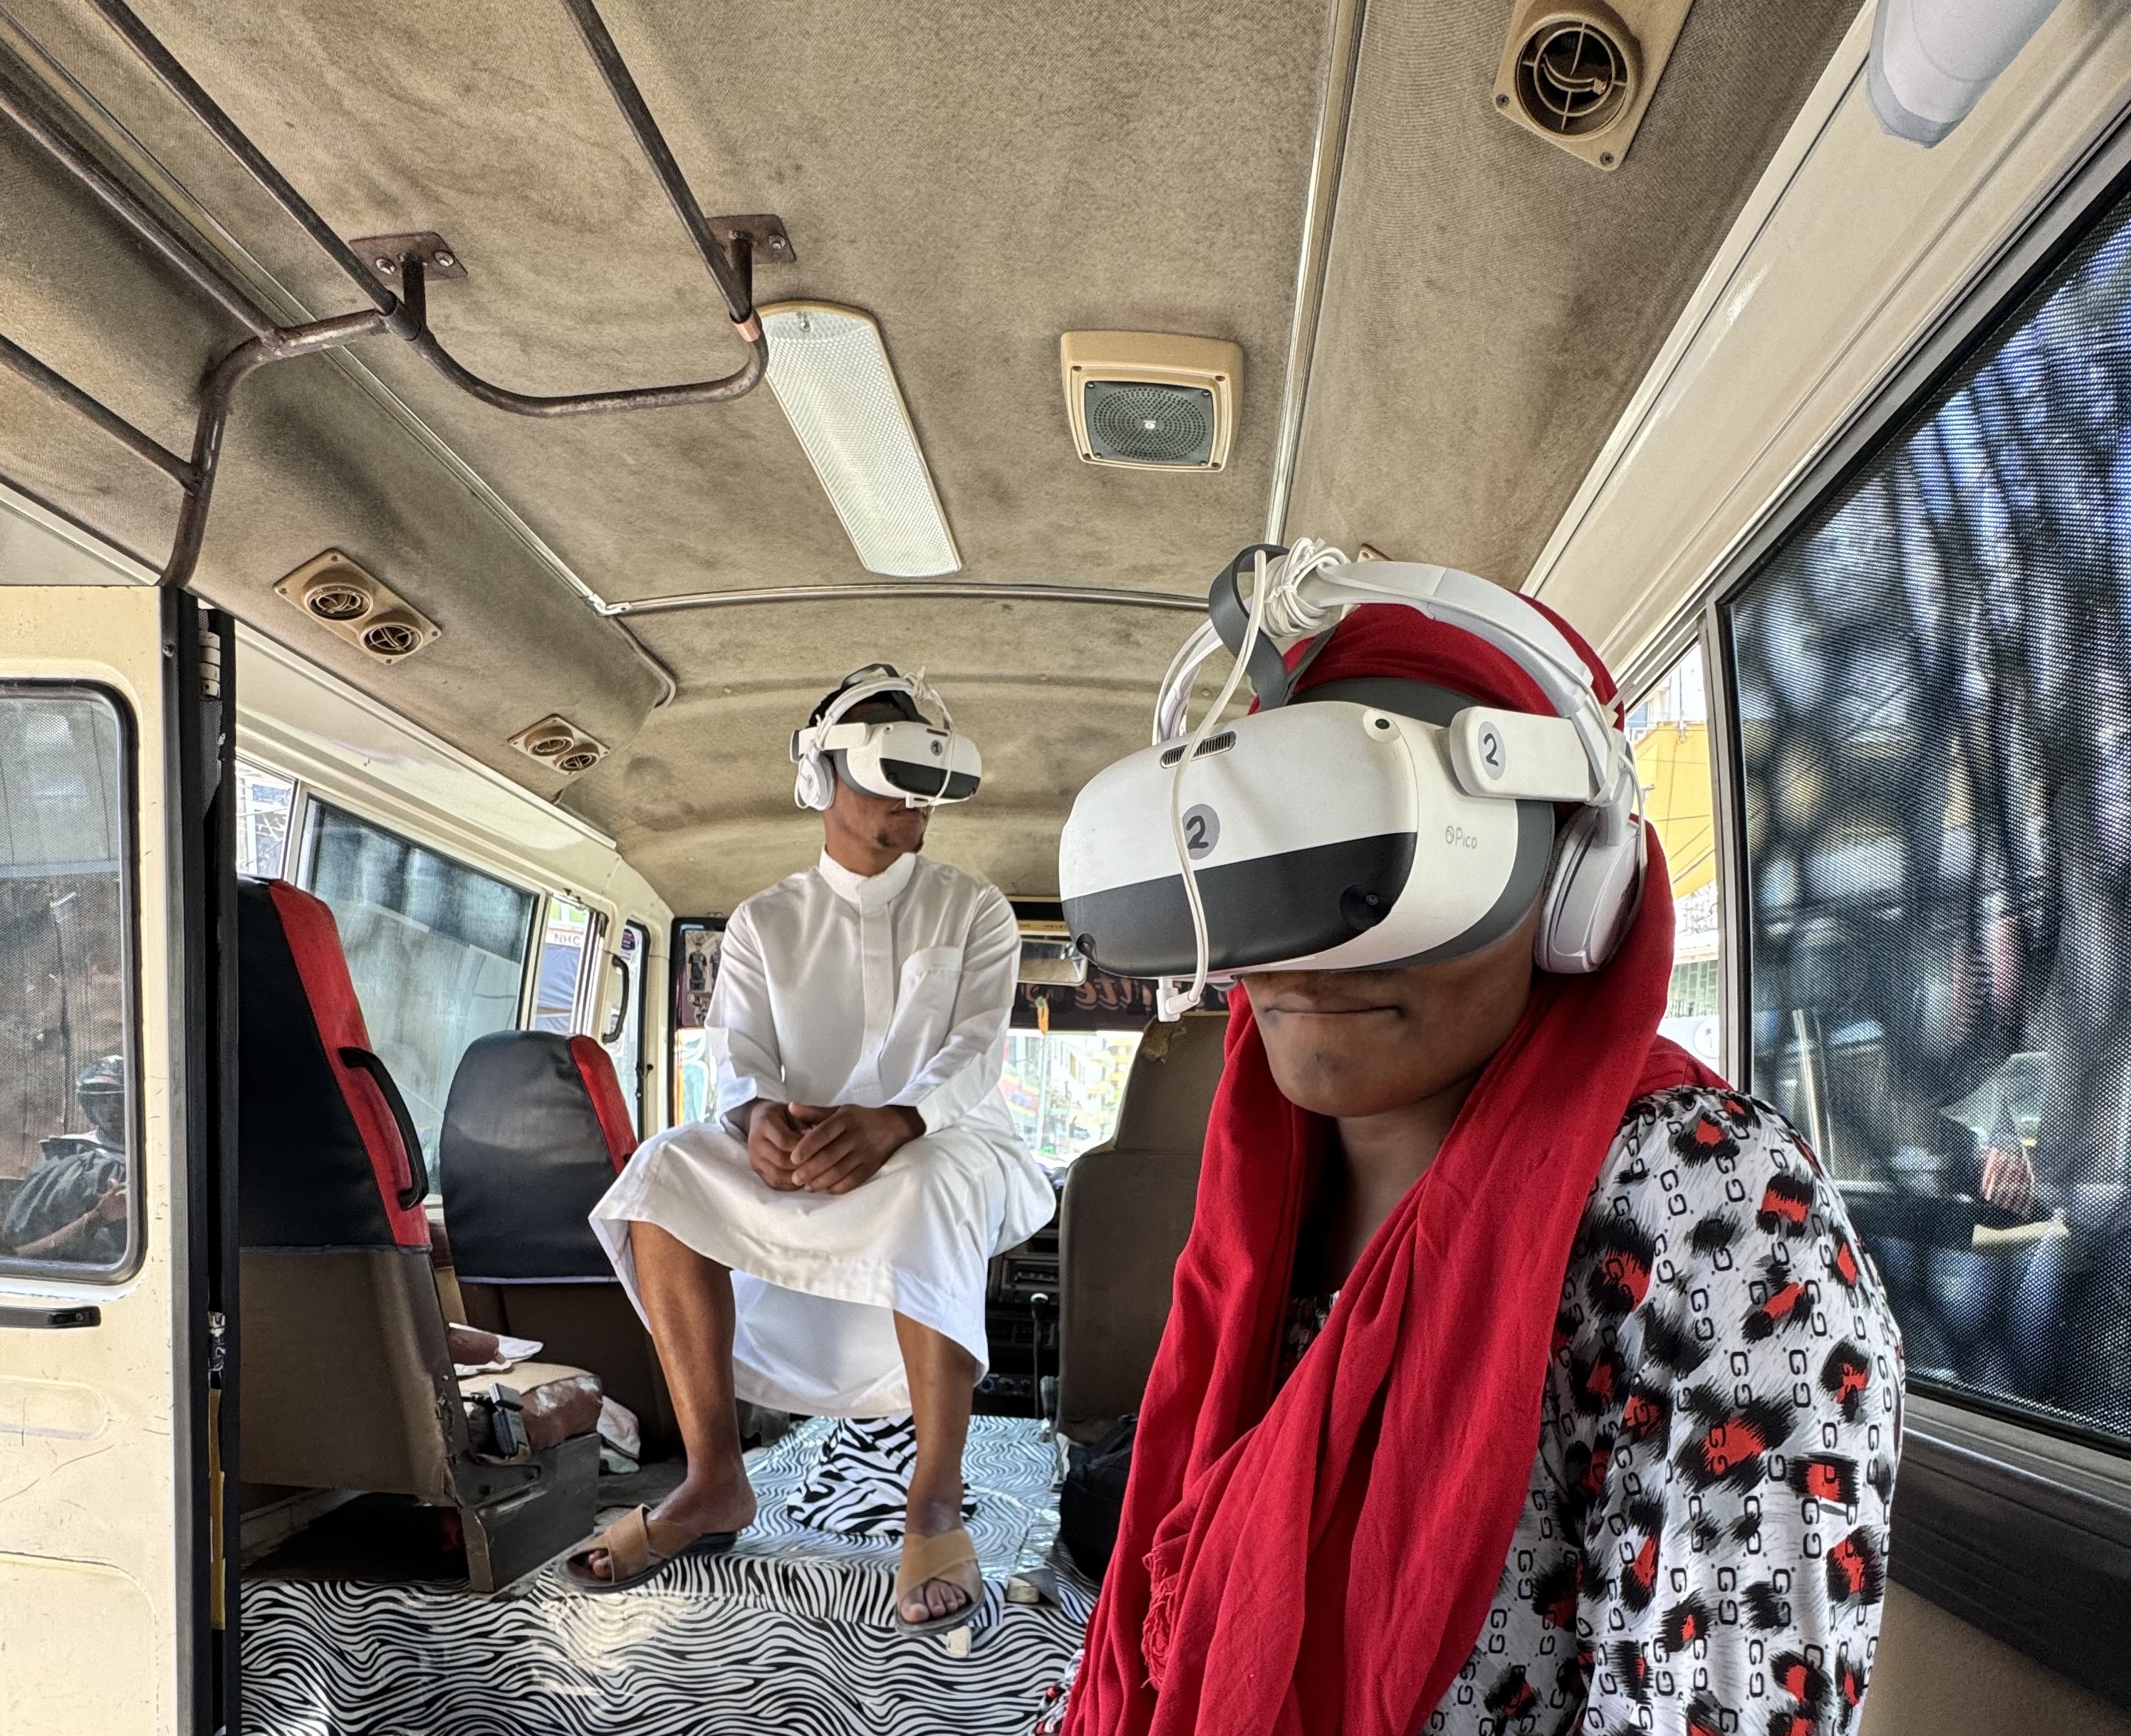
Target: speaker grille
x,y
1143,423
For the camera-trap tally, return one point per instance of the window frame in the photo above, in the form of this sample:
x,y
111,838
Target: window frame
x,y
45,1276
2020,1530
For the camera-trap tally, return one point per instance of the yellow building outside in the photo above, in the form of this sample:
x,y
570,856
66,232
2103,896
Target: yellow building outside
x,y
1673,761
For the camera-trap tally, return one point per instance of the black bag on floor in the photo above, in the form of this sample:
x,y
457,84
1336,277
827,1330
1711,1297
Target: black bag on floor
x,y
1093,1497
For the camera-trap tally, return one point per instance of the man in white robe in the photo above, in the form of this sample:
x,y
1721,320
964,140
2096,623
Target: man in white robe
x,y
819,1242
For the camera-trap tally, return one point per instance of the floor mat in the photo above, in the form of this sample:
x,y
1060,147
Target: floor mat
x,y
788,1634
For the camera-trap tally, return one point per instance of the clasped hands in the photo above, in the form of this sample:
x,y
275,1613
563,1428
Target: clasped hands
x,y
809,1148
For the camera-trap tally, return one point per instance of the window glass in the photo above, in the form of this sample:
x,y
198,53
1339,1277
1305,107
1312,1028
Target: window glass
x,y
695,975
1933,704
562,964
437,950
634,950
265,800
66,1123
1669,728
1065,1088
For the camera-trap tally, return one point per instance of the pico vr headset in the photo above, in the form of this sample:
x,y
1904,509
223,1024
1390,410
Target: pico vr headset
x,y
918,756
1374,822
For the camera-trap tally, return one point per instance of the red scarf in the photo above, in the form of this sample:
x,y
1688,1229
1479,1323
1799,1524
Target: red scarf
x,y
1319,1563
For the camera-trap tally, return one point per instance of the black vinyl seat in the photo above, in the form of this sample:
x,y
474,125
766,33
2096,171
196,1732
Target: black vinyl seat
x,y
1123,1222
345,1374
535,1131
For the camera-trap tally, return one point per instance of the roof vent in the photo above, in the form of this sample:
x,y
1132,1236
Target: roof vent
x,y
1146,400
1581,74
1574,75
344,599
560,744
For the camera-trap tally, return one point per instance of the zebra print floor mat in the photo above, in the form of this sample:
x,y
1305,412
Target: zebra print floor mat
x,y
788,1634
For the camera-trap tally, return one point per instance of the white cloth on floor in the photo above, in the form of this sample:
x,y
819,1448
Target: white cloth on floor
x,y
836,988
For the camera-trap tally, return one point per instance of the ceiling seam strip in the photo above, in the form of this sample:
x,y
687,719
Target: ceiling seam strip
x,y
974,589
214,239
1335,105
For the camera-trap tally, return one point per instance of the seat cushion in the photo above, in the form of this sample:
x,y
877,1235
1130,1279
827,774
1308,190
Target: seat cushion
x,y
559,1402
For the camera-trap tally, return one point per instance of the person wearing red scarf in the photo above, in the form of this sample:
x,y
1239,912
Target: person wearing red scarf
x,y
1520,1378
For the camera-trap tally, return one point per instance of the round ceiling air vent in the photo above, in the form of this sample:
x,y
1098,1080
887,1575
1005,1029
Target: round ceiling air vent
x,y
1576,71
391,637
337,599
551,744
1137,423
578,759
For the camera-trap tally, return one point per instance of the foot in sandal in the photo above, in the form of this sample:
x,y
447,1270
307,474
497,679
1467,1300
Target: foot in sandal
x,y
937,1582
696,1519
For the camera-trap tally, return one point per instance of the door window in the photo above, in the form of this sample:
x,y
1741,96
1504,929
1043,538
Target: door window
x,y
1933,704
437,950
633,954
67,1117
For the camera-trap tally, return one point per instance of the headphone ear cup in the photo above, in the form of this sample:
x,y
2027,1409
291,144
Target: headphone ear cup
x,y
815,786
1592,896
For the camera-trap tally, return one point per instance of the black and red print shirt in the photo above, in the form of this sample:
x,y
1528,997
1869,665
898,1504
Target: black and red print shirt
x,y
1704,1549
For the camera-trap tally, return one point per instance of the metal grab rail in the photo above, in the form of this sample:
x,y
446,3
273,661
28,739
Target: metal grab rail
x,y
406,315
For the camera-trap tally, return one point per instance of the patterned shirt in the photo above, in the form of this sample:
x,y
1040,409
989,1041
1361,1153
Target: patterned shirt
x,y
1703,1549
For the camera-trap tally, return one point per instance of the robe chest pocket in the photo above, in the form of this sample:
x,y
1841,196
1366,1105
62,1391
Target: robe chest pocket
x,y
930,977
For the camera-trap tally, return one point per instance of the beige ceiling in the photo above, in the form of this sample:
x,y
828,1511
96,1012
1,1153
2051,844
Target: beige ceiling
x,y
981,177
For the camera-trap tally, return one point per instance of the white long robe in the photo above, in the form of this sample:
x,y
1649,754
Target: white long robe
x,y
836,988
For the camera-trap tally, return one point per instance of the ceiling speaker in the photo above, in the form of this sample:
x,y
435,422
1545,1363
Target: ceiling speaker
x,y
560,745
348,601
1147,400
1581,75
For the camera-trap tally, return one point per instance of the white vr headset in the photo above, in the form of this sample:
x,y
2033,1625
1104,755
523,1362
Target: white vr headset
x,y
919,756
1371,822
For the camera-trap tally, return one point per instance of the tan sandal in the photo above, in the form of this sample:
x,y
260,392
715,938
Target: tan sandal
x,y
949,1557
639,1547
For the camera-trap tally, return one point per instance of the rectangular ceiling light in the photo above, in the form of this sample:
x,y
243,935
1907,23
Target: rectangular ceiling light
x,y
831,374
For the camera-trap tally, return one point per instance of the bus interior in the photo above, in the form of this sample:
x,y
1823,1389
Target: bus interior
x,y
445,450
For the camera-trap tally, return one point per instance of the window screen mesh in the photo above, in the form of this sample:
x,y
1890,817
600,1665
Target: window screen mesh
x,y
1933,730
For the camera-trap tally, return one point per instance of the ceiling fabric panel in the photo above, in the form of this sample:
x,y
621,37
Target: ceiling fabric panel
x,y
1491,302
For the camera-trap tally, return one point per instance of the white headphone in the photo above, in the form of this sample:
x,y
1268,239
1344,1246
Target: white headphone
x,y
1594,884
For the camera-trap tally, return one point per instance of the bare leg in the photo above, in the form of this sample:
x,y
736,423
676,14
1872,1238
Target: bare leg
x,y
943,1376
690,1301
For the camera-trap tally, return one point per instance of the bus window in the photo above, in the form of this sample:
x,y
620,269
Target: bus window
x,y
1669,730
562,966
1933,692
1065,1088
265,801
437,950
695,975
66,1117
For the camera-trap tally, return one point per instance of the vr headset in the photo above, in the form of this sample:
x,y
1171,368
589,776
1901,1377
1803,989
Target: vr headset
x,y
920,758
1375,822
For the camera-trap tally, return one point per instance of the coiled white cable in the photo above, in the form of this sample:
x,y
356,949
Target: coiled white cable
x,y
923,693
1276,611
